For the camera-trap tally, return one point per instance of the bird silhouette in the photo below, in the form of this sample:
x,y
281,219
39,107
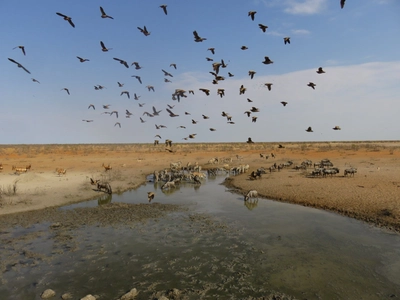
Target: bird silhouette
x,y
173,65
284,103
138,78
320,71
87,121
104,15
65,89
137,66
252,14
212,50
141,120
122,62
242,90
106,106
286,40
22,49
213,129
35,80
128,113
121,85
197,38
166,73
206,91
249,141
150,88
268,85
91,106
205,117
309,129
312,85
267,61
118,123
82,59
221,92
19,65
127,93
171,114
337,128
103,47
114,112
144,31
254,119
156,112
230,74
252,73
244,48
66,18
164,7
342,3
263,27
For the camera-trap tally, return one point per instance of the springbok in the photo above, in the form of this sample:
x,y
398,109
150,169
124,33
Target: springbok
x,y
107,168
61,171
19,170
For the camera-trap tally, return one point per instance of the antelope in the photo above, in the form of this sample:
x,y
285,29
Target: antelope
x,y
150,196
28,167
107,168
19,169
60,171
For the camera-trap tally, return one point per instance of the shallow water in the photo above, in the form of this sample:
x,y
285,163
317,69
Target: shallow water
x,y
219,248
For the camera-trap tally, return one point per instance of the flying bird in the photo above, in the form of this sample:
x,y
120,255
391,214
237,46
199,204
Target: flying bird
x,y
194,122
22,49
206,91
118,123
221,92
342,3
141,120
268,85
122,62
82,59
242,90
137,66
35,80
248,113
171,114
244,48
156,112
173,65
150,88
254,119
230,74
167,80
254,109
103,47
114,112
212,50
138,78
141,104
144,30
312,85
107,106
252,73
128,113
164,7
127,93
181,127
249,100
267,61
87,121
213,129
263,27
166,73
209,59
283,103
320,71
104,15
197,38
251,14
336,128
67,90
121,84
66,18
91,106
205,117
286,40
19,65
309,129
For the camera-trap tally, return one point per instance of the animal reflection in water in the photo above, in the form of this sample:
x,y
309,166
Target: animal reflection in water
x,y
251,203
104,199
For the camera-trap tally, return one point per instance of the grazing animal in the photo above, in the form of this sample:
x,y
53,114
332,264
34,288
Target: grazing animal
x,y
251,194
61,171
350,171
19,170
107,168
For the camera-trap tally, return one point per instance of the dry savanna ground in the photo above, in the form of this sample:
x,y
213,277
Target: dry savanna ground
x,y
372,195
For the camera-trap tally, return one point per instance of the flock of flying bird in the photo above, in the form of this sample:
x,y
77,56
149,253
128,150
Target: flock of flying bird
x,y
179,93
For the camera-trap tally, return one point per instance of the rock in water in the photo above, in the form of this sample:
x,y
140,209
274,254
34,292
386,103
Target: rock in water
x,y
48,294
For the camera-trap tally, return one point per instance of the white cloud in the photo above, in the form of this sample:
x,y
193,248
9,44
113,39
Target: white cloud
x,y
305,7
301,31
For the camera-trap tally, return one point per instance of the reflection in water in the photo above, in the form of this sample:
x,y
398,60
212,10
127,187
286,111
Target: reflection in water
x,y
251,203
104,199
218,248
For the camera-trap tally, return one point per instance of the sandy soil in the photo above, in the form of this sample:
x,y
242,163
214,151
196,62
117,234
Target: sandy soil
x,y
372,195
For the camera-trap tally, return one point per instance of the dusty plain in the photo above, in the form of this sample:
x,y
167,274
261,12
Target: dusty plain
x,y
372,195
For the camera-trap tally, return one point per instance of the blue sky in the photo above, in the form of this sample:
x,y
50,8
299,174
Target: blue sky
x,y
358,47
